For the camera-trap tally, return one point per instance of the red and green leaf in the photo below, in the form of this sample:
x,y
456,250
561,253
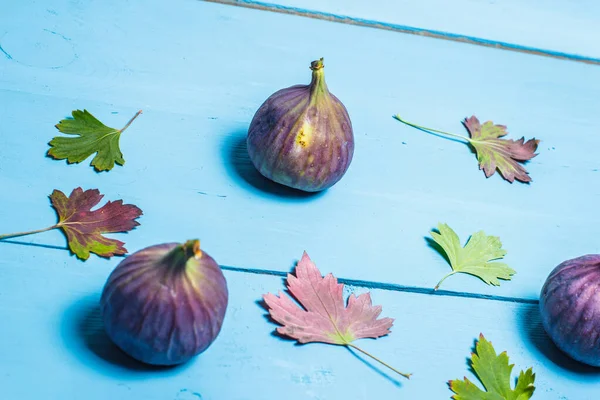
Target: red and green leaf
x,y
493,151
84,227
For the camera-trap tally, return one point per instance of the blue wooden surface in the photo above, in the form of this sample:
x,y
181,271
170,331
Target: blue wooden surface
x,y
556,27
199,71
58,331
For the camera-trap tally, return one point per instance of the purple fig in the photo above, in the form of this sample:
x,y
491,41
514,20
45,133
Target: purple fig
x,y
165,304
570,308
301,136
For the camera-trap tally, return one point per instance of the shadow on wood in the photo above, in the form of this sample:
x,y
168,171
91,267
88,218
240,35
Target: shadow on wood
x,y
376,368
45,246
261,303
84,336
435,246
285,292
240,168
533,331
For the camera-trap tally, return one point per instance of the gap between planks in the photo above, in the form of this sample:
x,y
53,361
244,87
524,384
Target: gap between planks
x,y
344,19
395,287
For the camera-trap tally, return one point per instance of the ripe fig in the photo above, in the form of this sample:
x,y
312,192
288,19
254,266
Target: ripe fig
x,y
165,304
570,308
301,136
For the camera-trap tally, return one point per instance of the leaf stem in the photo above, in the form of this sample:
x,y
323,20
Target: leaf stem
x,y
11,235
131,120
443,279
407,376
397,116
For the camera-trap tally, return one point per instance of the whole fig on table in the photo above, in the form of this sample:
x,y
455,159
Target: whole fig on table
x,y
570,308
301,136
165,304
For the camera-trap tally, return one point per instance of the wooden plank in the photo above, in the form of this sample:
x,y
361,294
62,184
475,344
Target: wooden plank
x,y
51,324
552,28
199,82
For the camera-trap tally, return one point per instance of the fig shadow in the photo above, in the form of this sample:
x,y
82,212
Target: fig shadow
x,y
240,168
83,334
533,331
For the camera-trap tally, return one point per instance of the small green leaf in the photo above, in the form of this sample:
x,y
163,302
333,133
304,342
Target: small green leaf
x,y
475,257
494,373
92,136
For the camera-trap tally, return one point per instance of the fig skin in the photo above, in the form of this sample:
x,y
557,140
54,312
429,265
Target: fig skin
x,y
570,308
165,304
302,136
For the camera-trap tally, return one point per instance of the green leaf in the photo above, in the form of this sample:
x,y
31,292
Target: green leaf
x,y
475,257
494,373
92,137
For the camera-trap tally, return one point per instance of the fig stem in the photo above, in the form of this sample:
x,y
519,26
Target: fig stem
x,y
191,248
179,256
318,87
443,279
407,376
397,116
317,64
17,234
131,120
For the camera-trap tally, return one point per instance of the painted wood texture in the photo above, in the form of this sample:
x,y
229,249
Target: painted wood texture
x,y
58,332
199,71
565,28
187,168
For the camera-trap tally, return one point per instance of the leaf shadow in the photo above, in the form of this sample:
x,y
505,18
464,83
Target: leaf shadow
x,y
469,364
240,168
286,291
45,246
472,149
532,330
375,368
435,246
469,360
83,334
261,303
64,248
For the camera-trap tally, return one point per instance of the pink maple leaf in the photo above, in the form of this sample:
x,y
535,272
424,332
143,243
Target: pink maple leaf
x,y
323,315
